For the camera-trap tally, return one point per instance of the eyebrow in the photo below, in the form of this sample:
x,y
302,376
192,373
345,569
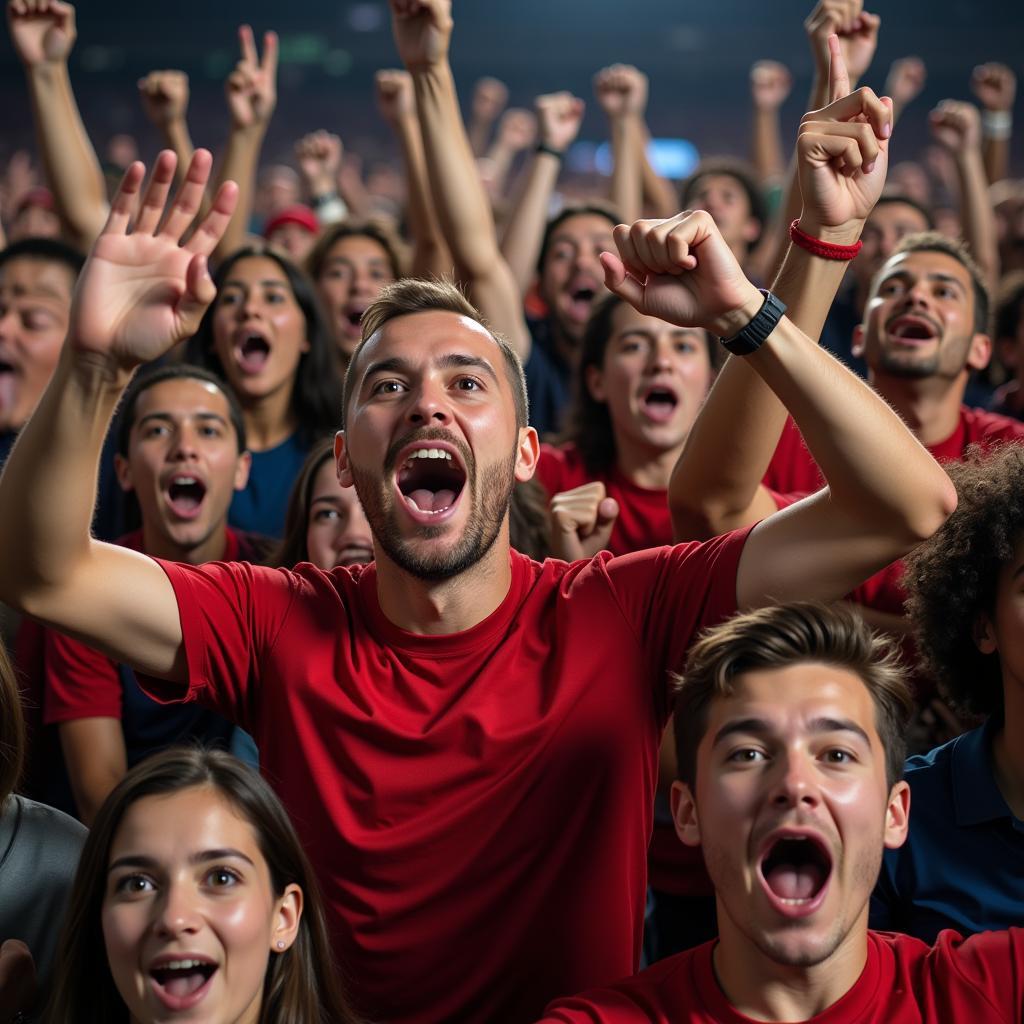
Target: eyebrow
x,y
168,417
934,276
349,260
38,291
759,727
136,860
454,360
267,282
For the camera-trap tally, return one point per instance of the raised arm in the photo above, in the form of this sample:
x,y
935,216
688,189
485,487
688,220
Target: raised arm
x,y
885,493
559,116
422,31
995,86
164,97
956,127
904,83
622,92
770,83
252,95
138,295
43,33
318,155
842,162
490,98
396,100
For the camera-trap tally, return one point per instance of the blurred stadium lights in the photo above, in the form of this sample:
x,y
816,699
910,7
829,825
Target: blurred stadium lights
x,y
367,17
671,158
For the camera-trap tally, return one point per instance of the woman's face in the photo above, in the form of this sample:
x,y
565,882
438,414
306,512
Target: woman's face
x,y
189,917
355,270
654,378
337,532
259,332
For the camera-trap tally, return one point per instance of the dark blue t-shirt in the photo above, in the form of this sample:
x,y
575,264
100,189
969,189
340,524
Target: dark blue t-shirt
x,y
548,381
261,507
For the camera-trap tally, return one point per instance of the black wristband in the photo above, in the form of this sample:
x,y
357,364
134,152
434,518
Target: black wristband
x,y
543,147
754,335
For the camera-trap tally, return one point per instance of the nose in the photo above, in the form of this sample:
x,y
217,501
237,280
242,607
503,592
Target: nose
x,y
177,911
429,405
251,305
8,323
659,355
357,530
183,444
795,785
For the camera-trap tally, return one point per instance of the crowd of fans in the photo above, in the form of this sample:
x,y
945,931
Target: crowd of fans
x,y
465,597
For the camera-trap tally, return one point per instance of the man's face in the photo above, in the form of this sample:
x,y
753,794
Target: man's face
x,y
35,302
294,239
183,462
572,277
431,443
792,810
919,319
726,200
654,378
886,227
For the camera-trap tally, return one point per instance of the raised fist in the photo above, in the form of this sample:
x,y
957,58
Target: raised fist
x,y
319,157
995,85
559,115
582,520
621,89
43,31
422,31
490,97
956,126
857,31
770,83
252,87
517,129
396,98
164,96
905,80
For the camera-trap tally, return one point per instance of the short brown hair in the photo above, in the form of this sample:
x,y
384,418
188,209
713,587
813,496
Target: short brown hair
x,y
934,241
379,231
419,295
783,635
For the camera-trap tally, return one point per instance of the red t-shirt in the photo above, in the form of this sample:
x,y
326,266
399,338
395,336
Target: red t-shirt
x,y
793,473
903,982
476,806
81,682
644,520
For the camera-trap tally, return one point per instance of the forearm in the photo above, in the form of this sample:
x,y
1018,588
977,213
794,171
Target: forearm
x,y
241,158
525,226
996,154
177,138
500,159
879,475
768,158
716,485
659,195
430,253
627,170
69,160
977,218
94,752
479,135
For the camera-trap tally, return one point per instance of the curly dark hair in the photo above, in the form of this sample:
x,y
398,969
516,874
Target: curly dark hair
x,y
316,393
953,576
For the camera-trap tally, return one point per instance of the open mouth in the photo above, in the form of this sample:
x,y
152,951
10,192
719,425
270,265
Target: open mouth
x,y
180,984
185,494
659,403
252,352
6,367
911,329
354,555
581,299
431,480
795,870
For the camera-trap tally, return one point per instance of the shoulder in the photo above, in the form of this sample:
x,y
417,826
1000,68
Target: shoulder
x,y
983,426
46,835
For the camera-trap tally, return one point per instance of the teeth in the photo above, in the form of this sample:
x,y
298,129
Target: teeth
x,y
429,453
182,965
184,480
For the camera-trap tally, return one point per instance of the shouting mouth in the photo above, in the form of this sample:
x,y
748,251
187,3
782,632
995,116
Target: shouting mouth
x,y
795,870
181,984
185,493
252,350
430,481
912,330
659,402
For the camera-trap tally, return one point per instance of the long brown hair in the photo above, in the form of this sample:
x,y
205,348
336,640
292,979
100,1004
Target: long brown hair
x,y
301,985
293,548
12,729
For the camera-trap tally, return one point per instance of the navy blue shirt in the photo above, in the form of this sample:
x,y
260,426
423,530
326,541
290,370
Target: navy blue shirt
x,y
261,507
548,380
962,865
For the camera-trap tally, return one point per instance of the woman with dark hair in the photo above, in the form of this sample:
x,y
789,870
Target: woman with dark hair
x,y
193,896
266,336
350,264
639,386
39,849
961,864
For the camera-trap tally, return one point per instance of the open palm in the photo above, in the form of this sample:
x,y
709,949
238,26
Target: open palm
x,y
140,293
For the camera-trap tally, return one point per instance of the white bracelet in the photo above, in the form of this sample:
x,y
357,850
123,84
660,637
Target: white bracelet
x,y
996,124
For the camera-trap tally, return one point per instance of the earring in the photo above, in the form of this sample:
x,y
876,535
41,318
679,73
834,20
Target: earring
x,y
280,943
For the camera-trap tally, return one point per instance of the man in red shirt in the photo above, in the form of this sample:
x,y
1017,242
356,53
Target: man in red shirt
x,y
466,740
790,726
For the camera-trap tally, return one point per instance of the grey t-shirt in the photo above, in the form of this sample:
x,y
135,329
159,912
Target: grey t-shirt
x,y
39,848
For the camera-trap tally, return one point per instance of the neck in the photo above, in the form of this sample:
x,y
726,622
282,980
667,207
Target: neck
x,y
452,605
1008,758
210,549
765,990
646,466
269,420
930,406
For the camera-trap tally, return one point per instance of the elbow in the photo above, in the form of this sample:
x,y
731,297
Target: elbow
x,y
927,517
699,520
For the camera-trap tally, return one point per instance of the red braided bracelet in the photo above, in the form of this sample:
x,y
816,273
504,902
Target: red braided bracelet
x,y
826,250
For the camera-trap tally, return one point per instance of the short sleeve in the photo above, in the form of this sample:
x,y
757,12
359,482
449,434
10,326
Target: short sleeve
x,y
991,964
80,682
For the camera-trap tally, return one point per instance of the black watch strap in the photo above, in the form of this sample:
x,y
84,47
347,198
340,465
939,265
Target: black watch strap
x,y
754,335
